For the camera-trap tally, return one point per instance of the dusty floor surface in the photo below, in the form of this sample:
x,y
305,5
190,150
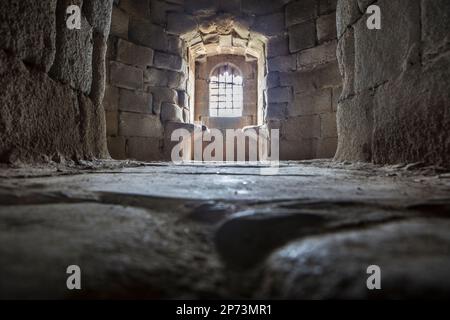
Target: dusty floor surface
x,y
224,231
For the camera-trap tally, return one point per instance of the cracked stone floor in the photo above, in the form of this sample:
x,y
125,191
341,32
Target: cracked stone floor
x,y
224,231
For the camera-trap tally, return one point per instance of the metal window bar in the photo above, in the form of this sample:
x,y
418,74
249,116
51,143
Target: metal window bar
x,y
226,93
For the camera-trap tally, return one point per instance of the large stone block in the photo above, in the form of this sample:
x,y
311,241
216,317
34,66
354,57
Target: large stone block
x,y
181,23
277,46
144,149
161,95
326,28
139,125
119,23
326,148
168,61
282,63
313,103
297,128
41,118
435,27
346,59
111,99
327,6
276,111
134,101
328,127
355,125
124,76
73,59
136,8
270,25
117,147
28,29
318,55
202,7
98,13
394,47
279,95
147,34
159,10
261,7
297,149
302,36
347,12
112,123
325,76
135,55
300,11
412,116
171,112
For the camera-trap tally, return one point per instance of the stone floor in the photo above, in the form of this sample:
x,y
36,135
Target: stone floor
x,y
224,231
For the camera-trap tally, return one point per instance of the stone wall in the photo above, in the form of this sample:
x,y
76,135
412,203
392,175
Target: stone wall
x,y
293,42
52,81
248,70
395,102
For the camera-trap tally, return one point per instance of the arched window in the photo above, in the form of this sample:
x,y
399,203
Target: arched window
x,y
225,92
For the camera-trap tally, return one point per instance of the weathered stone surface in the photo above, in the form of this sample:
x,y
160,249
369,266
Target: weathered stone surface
x,y
435,27
355,125
111,100
136,8
117,147
133,101
282,63
412,118
112,123
162,78
73,59
139,125
181,23
270,25
400,34
159,10
302,36
300,11
50,121
279,95
168,61
144,149
135,55
147,34
297,128
171,112
99,76
28,29
318,55
346,59
261,7
328,127
327,6
325,76
313,103
347,13
160,95
124,76
119,23
326,147
276,111
98,14
277,46
326,28
335,266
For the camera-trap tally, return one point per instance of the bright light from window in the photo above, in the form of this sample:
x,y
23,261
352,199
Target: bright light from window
x,y
225,92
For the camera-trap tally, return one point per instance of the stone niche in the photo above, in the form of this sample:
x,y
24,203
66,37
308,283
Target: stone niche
x,y
155,47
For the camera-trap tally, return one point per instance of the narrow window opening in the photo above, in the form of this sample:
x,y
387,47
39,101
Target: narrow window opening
x,y
225,92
